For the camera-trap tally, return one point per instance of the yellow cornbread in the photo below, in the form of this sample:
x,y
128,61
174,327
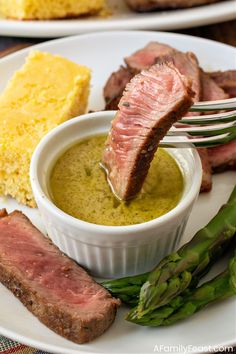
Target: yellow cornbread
x,y
41,9
45,92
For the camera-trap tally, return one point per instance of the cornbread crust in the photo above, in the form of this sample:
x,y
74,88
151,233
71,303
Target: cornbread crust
x,y
36,9
45,92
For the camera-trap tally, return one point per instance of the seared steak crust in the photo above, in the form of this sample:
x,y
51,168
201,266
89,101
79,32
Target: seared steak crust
x,y
150,5
53,287
151,103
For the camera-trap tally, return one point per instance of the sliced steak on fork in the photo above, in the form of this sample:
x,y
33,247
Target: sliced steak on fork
x,y
206,86
53,287
153,100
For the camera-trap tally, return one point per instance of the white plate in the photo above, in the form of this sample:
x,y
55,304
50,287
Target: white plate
x,y
214,326
123,18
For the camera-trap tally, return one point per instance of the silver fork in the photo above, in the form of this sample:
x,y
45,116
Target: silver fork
x,y
205,130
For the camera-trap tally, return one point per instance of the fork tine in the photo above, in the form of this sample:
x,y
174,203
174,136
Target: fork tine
x,y
219,105
202,142
214,140
204,130
210,118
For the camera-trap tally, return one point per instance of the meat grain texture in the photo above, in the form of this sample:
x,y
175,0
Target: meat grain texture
x,y
152,101
53,287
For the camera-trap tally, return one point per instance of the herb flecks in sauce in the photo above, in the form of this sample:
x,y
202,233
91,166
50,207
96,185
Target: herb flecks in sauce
x,y
78,186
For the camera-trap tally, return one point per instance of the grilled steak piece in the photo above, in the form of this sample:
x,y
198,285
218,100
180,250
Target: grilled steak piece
x,y
151,103
155,52
115,86
207,87
152,53
206,170
219,158
223,157
187,64
210,90
148,55
142,59
226,80
150,5
53,287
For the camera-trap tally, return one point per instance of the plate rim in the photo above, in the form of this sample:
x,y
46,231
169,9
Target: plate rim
x,y
164,20
54,350
170,34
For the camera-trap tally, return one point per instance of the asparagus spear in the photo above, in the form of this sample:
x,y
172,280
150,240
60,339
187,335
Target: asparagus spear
x,y
128,289
179,270
193,300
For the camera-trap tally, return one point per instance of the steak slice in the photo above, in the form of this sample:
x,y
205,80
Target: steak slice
x,y
220,158
53,287
187,64
151,103
210,92
226,80
207,86
142,59
210,89
223,157
206,184
152,53
115,86
150,5
148,56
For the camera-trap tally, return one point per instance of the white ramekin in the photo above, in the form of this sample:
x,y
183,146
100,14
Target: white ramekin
x,y
109,251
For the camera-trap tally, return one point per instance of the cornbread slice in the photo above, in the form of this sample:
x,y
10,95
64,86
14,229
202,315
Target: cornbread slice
x,y
41,9
45,92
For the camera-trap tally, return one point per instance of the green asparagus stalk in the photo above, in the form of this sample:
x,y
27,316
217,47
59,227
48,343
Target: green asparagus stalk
x,y
191,301
126,289
177,271
220,233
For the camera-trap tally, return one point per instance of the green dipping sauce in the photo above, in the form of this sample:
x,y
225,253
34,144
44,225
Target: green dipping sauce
x,y
78,186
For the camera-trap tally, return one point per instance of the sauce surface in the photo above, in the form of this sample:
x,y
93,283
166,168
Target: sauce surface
x,y
78,186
